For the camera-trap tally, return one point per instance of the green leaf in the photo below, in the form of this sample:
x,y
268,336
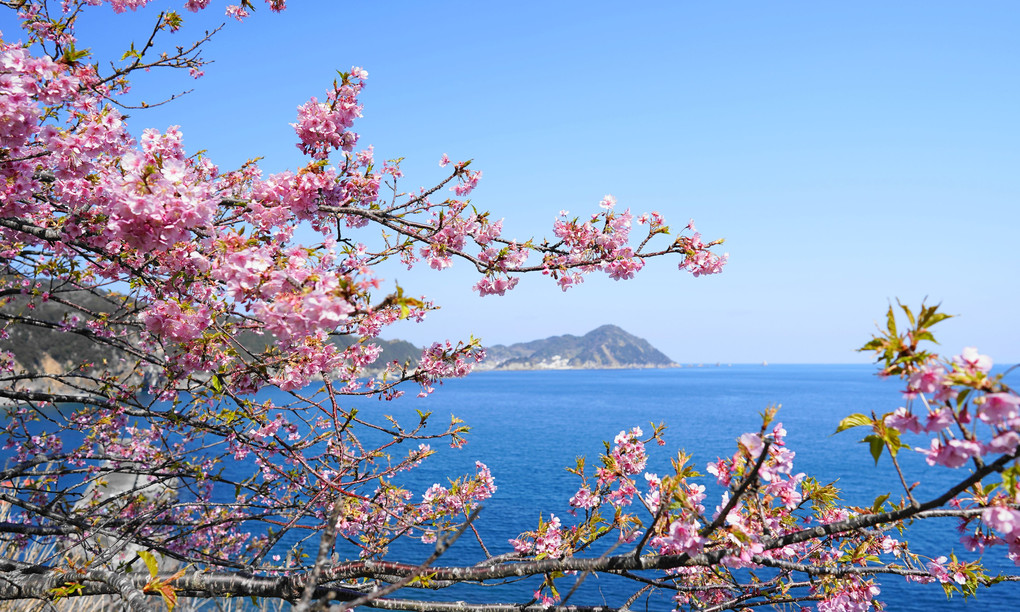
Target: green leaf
x,y
877,506
72,55
150,562
173,19
891,321
70,588
874,344
877,444
906,309
891,437
854,420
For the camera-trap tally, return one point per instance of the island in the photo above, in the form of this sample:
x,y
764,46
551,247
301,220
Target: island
x,y
606,347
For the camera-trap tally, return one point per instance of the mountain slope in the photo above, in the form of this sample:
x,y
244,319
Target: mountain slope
x,y
605,347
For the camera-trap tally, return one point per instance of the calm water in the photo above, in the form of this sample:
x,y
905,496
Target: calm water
x,y
528,426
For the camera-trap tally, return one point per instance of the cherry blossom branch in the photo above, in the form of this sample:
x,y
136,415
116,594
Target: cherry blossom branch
x,y
740,602
871,520
326,543
751,477
903,480
443,543
849,570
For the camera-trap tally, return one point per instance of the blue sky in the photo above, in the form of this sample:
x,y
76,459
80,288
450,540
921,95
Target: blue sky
x,y
850,154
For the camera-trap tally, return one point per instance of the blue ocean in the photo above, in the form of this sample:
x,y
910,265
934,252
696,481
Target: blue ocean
x,y
529,426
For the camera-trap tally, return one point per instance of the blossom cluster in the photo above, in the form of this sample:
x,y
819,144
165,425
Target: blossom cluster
x,y
971,417
325,126
764,501
211,291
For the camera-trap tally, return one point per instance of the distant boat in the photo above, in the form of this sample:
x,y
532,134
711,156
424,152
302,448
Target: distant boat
x,y
764,363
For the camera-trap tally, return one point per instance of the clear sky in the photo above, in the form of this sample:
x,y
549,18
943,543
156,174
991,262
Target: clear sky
x,y
849,153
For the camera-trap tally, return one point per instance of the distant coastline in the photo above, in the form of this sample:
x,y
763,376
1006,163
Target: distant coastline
x,y
44,352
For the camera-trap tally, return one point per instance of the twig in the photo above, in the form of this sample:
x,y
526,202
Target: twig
x,y
442,544
751,476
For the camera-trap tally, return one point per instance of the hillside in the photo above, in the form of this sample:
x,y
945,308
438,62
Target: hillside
x,y
31,331
45,350
48,358
400,351
605,347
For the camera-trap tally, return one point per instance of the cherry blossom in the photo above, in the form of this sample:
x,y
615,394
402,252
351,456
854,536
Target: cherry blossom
x,y
211,292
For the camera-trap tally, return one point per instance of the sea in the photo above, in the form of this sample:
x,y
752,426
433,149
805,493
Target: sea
x,y
529,426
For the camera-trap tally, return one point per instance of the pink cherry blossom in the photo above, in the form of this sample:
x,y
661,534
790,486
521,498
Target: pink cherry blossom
x,y
681,538
939,420
584,499
927,379
903,421
951,453
972,361
998,408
